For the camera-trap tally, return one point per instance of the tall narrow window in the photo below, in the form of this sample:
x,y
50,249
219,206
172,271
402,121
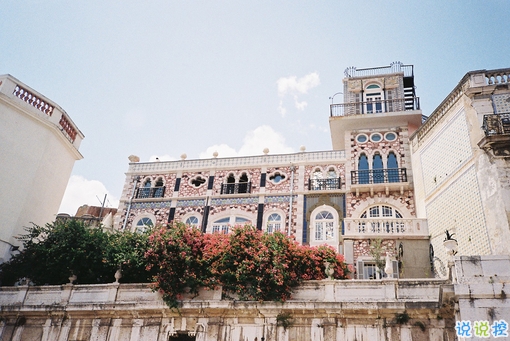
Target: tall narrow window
x,y
377,166
316,179
243,183
159,189
146,190
231,184
363,172
373,99
392,168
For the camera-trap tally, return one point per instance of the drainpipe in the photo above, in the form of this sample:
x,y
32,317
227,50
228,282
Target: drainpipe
x,y
292,169
137,178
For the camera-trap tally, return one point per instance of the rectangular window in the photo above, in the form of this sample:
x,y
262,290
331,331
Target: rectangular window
x,y
330,231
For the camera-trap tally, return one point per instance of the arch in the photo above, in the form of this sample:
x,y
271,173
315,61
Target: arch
x,y
373,96
142,222
363,169
192,219
377,168
274,223
222,222
159,187
392,165
388,201
324,226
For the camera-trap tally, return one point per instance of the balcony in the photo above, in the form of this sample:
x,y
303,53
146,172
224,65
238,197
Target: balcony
x,y
237,188
497,134
324,184
379,179
374,107
385,227
150,192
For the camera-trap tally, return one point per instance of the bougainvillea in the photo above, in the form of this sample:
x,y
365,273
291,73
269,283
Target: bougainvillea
x,y
175,254
247,263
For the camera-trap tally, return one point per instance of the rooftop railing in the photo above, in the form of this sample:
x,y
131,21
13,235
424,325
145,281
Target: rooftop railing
x,y
374,71
244,161
375,107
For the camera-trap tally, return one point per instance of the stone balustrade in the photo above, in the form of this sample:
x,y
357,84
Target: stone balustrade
x,y
385,227
261,160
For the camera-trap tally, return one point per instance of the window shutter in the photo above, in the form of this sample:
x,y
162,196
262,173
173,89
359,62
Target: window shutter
x,y
359,269
395,269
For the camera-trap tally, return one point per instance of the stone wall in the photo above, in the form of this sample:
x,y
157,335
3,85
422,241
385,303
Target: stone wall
x,y
319,310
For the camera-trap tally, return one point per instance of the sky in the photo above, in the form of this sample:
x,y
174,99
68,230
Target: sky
x,y
162,78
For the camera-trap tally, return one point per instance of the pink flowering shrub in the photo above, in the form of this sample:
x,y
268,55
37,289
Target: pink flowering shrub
x,y
247,263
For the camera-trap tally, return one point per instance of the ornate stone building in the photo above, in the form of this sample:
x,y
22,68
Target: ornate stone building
x,y
348,197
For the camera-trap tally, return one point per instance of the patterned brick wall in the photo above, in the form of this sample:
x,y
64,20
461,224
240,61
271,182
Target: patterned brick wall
x,y
362,248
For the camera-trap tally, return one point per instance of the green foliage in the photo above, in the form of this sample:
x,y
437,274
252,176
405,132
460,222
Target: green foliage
x,y
53,252
246,263
402,318
284,320
178,259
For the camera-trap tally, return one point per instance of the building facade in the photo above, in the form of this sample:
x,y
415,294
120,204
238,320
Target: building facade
x,y
39,145
461,167
349,197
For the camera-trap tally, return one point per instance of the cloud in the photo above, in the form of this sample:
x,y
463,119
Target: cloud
x,y
293,85
296,87
223,150
81,191
253,144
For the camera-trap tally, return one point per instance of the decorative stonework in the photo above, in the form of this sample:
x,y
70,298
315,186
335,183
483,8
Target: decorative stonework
x,y
234,201
284,185
187,189
369,148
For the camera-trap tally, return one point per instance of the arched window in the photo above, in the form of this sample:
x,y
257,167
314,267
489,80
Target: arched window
x,y
231,184
324,226
377,167
223,225
381,219
243,183
373,99
392,168
143,224
274,223
145,191
159,190
192,221
363,172
316,180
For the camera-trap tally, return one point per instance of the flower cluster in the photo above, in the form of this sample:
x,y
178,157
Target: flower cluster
x,y
247,263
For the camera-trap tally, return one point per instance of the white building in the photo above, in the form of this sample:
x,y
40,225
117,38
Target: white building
x,y
38,147
461,165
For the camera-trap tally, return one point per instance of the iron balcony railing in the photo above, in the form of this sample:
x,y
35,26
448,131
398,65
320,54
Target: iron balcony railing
x,y
378,176
496,124
324,184
374,107
150,192
237,188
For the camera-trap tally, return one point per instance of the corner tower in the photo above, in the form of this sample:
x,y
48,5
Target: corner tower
x,y
373,125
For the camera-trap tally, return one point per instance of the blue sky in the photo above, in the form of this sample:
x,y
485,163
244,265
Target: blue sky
x,y
163,78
